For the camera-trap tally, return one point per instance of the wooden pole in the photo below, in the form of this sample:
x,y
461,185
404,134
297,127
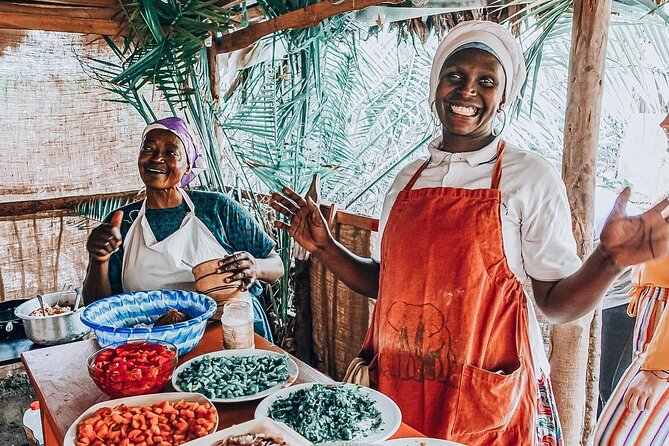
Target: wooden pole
x,y
305,17
575,357
215,86
28,207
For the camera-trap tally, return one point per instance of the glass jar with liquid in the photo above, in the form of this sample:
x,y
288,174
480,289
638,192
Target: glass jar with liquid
x,y
237,324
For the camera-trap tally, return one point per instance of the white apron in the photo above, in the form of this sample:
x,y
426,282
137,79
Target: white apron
x,y
152,265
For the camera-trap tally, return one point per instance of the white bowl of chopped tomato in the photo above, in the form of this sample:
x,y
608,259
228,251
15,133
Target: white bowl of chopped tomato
x,y
136,367
165,418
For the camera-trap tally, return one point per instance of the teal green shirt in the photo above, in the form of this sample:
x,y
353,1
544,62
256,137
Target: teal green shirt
x,y
233,226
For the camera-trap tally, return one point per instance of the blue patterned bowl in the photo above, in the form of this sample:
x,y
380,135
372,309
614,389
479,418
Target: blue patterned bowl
x,y
113,319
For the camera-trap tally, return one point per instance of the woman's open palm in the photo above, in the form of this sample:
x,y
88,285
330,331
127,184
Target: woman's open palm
x,y
306,223
637,239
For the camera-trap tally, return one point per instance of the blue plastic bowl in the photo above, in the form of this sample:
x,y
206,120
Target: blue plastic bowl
x,y
113,318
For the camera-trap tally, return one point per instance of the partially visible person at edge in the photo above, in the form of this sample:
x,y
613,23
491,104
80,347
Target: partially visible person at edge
x,y
152,243
454,339
617,326
638,411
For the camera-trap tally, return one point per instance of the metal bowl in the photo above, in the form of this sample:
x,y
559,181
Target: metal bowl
x,y
55,329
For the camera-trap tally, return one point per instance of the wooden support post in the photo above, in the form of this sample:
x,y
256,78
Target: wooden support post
x,y
215,86
575,357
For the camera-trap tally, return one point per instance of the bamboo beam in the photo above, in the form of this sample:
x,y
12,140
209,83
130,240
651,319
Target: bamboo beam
x,y
574,342
305,17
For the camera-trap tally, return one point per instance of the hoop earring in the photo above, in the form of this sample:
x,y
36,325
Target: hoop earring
x,y
498,129
436,123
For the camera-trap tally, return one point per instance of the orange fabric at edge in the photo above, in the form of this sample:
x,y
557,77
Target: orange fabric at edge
x,y
406,431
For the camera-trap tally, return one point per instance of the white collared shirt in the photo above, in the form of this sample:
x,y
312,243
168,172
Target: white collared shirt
x,y
536,221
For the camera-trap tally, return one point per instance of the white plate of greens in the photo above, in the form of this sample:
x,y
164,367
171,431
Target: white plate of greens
x,y
231,376
345,412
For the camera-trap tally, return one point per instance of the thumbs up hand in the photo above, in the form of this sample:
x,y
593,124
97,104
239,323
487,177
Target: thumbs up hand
x,y
105,239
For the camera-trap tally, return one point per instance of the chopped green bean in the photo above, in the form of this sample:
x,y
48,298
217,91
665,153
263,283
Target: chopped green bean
x,y
233,377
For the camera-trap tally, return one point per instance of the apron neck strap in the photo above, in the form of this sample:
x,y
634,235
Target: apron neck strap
x,y
416,175
185,196
496,175
497,172
188,201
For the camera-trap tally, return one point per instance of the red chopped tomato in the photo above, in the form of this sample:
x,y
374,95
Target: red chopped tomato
x,y
133,369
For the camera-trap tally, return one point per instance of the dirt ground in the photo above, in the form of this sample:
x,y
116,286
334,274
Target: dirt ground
x,y
16,394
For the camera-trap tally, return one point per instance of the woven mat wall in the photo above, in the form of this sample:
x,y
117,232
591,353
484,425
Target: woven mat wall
x,y
41,254
340,315
59,136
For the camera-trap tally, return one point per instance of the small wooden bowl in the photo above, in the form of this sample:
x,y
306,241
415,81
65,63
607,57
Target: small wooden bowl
x,y
212,283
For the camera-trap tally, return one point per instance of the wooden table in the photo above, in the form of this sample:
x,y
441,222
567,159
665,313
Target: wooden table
x,y
65,390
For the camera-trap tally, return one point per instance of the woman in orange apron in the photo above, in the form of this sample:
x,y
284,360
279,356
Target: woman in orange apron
x,y
454,340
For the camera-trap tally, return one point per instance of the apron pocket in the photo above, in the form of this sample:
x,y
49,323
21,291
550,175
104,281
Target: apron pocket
x,y
487,400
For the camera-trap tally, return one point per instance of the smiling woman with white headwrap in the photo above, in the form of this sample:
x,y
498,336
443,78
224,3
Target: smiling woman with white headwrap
x,y
151,244
454,339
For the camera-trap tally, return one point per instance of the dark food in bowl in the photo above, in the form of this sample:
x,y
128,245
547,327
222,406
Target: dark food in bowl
x,y
161,423
172,316
134,368
252,440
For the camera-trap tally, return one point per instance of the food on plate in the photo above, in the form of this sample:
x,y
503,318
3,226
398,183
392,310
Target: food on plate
x,y
51,311
135,368
324,413
223,377
259,439
161,424
173,316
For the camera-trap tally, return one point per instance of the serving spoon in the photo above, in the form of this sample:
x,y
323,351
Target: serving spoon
x,y
41,304
78,299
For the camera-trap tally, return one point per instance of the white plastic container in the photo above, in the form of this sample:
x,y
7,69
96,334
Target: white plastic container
x,y
32,425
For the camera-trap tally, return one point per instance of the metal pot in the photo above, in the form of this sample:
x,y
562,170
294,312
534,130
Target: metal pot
x,y
55,329
11,327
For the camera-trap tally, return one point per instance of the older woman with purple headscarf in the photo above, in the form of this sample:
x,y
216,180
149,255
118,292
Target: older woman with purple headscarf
x,y
152,244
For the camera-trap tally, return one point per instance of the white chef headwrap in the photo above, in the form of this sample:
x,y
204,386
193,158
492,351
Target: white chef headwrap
x,y
490,37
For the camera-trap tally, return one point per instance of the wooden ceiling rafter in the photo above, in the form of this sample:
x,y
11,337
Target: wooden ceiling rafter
x,y
82,16
305,17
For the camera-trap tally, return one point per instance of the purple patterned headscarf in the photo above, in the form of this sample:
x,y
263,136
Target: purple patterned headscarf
x,y
194,156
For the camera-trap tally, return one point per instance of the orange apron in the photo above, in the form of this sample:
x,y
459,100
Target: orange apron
x,y
449,337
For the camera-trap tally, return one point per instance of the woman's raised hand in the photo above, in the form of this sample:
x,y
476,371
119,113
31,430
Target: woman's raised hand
x,y
632,240
306,223
105,239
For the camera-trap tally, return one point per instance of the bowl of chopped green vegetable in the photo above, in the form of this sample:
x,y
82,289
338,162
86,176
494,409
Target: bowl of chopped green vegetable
x,y
231,376
345,412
